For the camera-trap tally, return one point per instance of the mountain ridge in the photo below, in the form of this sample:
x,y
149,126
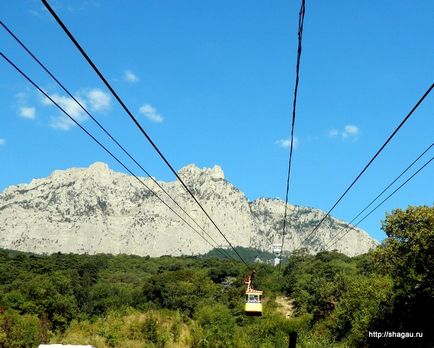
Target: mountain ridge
x,y
95,209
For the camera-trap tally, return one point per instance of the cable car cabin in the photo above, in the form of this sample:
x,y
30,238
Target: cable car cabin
x,y
253,302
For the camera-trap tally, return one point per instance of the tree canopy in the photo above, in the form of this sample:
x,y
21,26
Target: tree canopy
x,y
132,301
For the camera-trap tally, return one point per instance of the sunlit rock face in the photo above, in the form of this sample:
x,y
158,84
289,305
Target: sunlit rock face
x,y
97,210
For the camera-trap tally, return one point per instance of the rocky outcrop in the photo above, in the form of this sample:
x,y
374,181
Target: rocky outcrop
x,y
97,210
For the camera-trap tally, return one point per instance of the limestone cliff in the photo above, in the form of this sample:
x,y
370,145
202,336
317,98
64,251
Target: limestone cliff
x,y
97,210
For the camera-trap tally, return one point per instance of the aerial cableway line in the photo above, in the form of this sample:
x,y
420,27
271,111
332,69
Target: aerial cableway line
x,y
105,148
343,229
129,113
294,105
427,92
106,131
349,228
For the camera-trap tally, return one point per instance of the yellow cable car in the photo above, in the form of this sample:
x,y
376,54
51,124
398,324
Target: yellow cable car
x,y
253,300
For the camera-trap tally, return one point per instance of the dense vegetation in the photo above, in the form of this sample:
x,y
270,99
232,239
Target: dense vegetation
x,y
131,301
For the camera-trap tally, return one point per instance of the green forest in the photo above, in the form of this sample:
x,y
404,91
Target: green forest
x,y
131,301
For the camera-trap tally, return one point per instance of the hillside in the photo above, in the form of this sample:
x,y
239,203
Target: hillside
x,y
98,210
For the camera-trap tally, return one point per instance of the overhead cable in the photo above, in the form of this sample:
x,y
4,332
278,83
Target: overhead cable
x,y
369,163
104,129
294,105
384,200
380,194
103,147
107,84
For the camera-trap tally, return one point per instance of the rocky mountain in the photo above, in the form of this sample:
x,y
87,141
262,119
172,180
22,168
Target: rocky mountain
x,y
97,210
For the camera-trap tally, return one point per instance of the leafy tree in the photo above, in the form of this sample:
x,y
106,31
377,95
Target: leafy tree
x,y
218,324
408,255
104,297
268,331
182,289
317,282
19,330
358,308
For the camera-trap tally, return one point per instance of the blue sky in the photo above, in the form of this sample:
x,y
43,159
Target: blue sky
x,y
211,82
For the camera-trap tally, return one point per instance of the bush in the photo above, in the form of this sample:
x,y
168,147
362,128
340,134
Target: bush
x,y
218,325
19,330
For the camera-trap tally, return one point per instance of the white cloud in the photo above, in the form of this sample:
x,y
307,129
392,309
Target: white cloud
x,y
34,13
98,100
66,103
2,141
129,76
92,99
349,130
62,121
28,112
286,143
151,113
333,133
21,97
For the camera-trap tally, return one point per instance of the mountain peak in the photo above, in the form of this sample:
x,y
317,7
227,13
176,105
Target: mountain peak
x,y
191,171
99,167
